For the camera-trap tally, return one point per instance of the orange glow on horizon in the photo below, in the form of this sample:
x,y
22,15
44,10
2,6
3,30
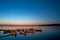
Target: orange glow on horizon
x,y
20,23
23,23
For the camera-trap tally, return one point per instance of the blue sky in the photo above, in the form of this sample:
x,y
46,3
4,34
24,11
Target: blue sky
x,y
30,11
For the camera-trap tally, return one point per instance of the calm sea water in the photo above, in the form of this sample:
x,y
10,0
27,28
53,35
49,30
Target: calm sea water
x,y
48,33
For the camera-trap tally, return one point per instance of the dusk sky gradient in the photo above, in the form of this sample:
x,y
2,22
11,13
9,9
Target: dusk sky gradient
x,y
33,11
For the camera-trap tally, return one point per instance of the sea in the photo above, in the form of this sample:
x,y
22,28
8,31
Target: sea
x,y
46,33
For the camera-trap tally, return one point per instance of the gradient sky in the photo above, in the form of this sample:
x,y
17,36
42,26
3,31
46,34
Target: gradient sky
x,y
29,11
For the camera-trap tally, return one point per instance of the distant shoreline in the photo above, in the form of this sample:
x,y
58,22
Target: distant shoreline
x,y
34,25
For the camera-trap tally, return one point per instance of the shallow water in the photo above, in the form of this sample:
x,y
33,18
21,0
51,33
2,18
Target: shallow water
x,y
48,33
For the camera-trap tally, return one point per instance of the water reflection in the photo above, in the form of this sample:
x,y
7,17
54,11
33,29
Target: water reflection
x,y
19,31
30,33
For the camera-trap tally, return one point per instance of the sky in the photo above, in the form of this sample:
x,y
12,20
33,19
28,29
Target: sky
x,y
29,11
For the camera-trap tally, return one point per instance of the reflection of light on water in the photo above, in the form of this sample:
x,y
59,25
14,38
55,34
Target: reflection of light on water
x,y
47,32
3,35
21,30
35,27
13,28
1,32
